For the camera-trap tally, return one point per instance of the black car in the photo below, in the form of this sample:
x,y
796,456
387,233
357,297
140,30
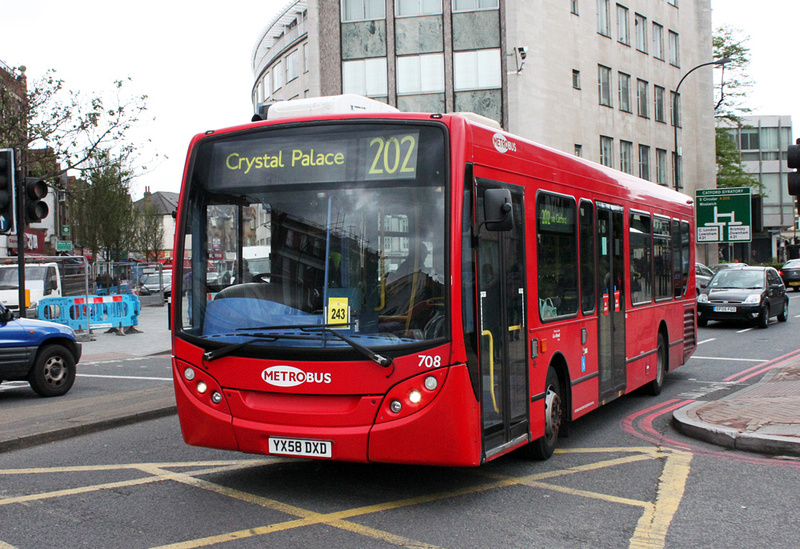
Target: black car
x,y
747,293
790,273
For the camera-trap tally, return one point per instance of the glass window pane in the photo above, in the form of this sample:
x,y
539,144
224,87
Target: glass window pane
x,y
374,9
641,265
587,235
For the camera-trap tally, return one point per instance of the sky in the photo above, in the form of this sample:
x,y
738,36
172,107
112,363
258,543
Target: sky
x,y
192,60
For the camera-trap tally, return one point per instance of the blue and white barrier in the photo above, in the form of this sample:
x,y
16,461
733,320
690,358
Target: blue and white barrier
x,y
82,313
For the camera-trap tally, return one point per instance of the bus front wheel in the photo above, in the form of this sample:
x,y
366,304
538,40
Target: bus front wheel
x,y
543,447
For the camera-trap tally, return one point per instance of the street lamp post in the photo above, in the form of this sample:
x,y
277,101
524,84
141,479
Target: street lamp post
x,y
676,159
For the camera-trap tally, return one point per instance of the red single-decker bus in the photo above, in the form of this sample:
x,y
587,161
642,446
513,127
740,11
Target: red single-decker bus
x,y
368,285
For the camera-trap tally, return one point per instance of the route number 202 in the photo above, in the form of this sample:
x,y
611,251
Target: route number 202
x,y
429,361
393,156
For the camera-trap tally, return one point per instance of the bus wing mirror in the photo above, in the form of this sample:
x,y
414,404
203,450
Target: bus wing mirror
x,y
497,210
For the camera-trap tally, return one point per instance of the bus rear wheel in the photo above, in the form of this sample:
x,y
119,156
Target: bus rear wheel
x,y
654,387
542,448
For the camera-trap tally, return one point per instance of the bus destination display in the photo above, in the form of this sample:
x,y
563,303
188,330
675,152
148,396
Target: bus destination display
x,y
352,156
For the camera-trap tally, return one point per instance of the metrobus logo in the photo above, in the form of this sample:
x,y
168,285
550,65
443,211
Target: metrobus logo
x,y
289,376
502,144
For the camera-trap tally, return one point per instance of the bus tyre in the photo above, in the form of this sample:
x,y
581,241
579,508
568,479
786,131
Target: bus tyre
x,y
53,372
543,447
654,387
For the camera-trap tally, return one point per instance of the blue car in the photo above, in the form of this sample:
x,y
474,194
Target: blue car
x,y
42,353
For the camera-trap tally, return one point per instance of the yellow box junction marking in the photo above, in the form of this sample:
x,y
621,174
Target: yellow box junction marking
x,y
650,533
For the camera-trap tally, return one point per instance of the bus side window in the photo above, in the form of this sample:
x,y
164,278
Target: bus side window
x,y
557,255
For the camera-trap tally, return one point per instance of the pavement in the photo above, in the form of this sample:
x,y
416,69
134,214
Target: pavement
x,y
44,420
763,417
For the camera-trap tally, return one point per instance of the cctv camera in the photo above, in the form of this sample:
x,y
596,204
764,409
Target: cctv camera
x,y
523,52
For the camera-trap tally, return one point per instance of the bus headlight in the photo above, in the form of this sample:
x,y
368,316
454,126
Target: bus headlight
x,y
412,395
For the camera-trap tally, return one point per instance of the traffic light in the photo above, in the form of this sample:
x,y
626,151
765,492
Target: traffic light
x,y
793,161
7,191
35,208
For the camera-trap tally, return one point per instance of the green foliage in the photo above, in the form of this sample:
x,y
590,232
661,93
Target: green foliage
x,y
69,130
149,235
734,82
732,87
730,172
101,208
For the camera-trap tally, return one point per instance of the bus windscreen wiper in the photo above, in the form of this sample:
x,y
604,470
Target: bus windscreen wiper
x,y
327,328
209,356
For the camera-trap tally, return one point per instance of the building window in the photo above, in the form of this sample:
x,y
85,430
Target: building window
x,y
604,18
365,77
277,77
625,92
622,25
675,103
677,169
607,151
604,85
658,41
266,82
363,10
292,65
661,167
626,157
474,5
578,150
641,95
644,162
748,139
659,97
420,74
306,65
674,55
576,79
476,70
573,7
411,8
641,33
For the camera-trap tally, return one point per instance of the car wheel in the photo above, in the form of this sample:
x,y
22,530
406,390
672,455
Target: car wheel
x,y
784,316
763,318
544,447
53,372
702,322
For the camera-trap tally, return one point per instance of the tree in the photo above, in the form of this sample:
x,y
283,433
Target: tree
x,y
72,132
102,209
149,230
732,88
734,81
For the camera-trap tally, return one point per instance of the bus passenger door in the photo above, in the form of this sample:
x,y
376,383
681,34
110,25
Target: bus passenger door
x,y
502,332
611,300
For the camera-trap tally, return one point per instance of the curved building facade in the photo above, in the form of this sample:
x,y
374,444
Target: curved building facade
x,y
596,78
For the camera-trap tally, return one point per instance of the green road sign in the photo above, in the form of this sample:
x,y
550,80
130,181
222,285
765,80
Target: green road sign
x,y
65,230
723,215
63,246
